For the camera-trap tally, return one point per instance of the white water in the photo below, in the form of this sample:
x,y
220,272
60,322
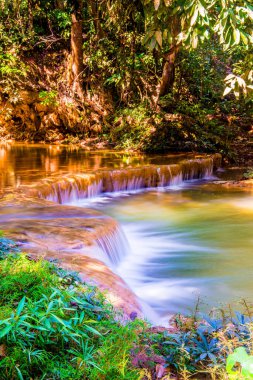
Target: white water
x,y
142,268
71,188
114,245
185,242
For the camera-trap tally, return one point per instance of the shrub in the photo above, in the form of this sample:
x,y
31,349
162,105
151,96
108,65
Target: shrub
x,y
248,174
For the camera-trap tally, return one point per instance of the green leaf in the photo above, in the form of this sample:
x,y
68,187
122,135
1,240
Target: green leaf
x,y
91,329
202,10
159,38
21,306
247,367
19,373
227,91
244,38
62,322
239,356
5,331
237,36
157,4
194,17
194,41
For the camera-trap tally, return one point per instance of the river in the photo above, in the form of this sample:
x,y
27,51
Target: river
x,y
187,241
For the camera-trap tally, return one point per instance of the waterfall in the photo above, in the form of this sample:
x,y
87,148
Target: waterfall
x,y
72,187
114,244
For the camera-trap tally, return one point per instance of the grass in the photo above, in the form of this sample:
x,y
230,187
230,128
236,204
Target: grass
x,y
53,326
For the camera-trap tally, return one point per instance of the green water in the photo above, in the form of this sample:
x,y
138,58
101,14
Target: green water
x,y
189,242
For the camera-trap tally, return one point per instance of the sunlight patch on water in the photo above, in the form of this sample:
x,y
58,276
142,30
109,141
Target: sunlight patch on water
x,y
246,203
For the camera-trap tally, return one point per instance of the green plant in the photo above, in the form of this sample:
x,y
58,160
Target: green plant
x,y
248,174
48,98
244,361
54,326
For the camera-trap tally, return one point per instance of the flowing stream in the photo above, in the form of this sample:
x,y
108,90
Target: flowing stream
x,y
188,242
183,236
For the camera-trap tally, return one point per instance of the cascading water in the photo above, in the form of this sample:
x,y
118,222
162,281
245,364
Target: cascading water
x,y
114,245
185,241
71,188
109,241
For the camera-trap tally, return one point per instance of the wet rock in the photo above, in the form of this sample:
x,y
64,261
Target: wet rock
x,y
56,232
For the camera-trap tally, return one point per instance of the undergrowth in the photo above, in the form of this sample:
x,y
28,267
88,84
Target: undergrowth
x,y
248,174
55,327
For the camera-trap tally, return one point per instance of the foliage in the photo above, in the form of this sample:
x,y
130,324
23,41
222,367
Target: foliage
x,y
209,345
53,326
126,47
191,23
248,174
133,128
48,98
190,126
240,356
12,72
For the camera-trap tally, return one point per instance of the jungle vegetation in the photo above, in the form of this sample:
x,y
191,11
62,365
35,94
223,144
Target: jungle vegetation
x,y
149,75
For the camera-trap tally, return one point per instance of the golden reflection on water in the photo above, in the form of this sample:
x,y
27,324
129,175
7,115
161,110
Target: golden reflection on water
x,y
26,163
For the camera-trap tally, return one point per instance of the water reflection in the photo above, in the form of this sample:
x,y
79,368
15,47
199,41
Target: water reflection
x,y
24,164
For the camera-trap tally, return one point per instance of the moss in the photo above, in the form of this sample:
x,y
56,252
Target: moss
x,y
20,276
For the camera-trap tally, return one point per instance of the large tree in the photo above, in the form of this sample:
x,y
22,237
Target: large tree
x,y
173,24
76,63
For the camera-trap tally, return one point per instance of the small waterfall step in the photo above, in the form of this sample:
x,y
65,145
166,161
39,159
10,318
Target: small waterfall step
x,y
72,187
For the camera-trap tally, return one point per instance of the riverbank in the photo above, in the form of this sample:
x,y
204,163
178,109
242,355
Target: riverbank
x,y
54,325
90,125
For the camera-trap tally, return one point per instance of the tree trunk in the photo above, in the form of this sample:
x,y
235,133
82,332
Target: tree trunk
x,y
30,6
168,75
166,83
77,67
95,15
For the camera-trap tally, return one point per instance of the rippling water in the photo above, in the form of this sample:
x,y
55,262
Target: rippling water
x,y
190,242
